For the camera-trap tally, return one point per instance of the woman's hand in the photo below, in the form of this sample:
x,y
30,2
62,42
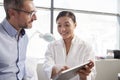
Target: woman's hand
x,y
58,69
83,73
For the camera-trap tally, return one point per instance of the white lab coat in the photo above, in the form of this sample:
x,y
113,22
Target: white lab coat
x,y
79,53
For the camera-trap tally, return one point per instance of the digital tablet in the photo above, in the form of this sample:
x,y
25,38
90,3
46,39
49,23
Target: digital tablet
x,y
69,73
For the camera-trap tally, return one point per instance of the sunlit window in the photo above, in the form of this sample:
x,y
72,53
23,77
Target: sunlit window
x,y
2,16
90,5
42,3
37,45
97,22
99,30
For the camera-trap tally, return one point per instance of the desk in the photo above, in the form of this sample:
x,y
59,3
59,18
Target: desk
x,y
107,69
118,76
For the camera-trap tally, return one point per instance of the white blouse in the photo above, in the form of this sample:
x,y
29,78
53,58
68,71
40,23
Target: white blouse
x,y
79,53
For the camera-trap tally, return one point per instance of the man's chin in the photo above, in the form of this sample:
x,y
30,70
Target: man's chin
x,y
29,27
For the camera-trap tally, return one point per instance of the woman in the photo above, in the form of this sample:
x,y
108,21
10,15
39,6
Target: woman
x,y
69,51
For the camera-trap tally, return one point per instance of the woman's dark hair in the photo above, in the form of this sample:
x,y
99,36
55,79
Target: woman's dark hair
x,y
67,14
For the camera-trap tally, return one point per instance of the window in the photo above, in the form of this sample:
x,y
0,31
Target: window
x,y
2,15
98,22
1,1
89,5
37,45
99,30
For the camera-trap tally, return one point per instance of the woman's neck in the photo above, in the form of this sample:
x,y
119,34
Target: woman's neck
x,y
68,43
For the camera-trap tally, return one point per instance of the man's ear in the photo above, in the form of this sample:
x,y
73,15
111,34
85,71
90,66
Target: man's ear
x,y
11,12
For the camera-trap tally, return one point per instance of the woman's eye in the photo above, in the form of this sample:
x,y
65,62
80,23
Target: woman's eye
x,y
67,25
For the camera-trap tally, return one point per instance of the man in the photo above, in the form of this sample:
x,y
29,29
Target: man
x,y
13,41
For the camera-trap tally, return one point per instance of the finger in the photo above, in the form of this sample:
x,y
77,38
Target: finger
x,y
82,72
86,69
91,64
66,67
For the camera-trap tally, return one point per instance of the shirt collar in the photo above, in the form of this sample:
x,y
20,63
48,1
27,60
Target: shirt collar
x,y
73,40
10,29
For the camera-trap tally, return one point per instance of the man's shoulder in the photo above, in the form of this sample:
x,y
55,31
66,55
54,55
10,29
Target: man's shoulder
x,y
1,28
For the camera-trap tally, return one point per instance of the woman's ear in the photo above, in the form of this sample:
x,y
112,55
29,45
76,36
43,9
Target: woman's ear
x,y
75,25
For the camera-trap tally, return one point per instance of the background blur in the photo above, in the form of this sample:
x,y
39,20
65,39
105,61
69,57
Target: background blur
x,y
98,22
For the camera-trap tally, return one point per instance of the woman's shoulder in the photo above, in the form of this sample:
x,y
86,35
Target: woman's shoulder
x,y
56,42
81,41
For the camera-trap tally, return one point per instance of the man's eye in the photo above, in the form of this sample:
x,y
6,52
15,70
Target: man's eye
x,y
59,25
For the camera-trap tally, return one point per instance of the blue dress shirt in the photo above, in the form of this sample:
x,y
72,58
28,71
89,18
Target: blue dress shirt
x,y
12,52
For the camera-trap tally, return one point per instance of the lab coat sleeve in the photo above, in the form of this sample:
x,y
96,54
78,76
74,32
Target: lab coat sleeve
x,y
30,70
49,61
90,55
